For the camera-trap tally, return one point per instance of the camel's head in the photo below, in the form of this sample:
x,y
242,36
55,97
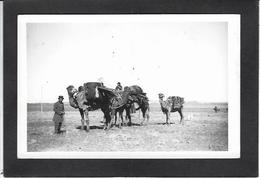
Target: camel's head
x,y
161,96
81,88
71,90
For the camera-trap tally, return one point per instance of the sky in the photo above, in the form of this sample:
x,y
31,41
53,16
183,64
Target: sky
x,y
187,59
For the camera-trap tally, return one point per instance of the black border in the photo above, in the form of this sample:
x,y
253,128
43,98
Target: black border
x,y
247,165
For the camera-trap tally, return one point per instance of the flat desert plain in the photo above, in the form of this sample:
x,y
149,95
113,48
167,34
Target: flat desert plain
x,y
203,130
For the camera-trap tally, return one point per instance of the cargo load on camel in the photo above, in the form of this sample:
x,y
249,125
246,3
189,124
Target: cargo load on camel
x,y
177,101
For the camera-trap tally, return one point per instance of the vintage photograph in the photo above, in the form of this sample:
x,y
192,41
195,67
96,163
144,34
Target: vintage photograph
x,y
128,86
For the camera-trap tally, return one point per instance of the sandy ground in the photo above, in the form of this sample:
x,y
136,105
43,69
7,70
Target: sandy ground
x,y
203,131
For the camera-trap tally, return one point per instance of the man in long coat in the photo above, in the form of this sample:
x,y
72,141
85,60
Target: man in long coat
x,y
58,117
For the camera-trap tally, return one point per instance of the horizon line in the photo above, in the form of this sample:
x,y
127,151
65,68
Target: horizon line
x,y
152,101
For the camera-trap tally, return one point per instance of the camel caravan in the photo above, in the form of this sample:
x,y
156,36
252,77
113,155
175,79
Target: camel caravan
x,y
94,95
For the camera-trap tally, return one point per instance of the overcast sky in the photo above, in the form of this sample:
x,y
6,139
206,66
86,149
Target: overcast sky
x,y
187,59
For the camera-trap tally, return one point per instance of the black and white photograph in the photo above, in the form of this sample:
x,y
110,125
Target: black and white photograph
x,y
128,86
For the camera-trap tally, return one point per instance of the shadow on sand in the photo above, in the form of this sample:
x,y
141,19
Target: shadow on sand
x,y
134,124
129,125
126,124
91,127
164,123
113,125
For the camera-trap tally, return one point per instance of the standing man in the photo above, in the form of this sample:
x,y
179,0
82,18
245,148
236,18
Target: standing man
x,y
58,117
119,86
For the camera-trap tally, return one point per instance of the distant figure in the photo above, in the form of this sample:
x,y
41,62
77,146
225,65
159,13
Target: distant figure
x,y
216,109
119,86
58,117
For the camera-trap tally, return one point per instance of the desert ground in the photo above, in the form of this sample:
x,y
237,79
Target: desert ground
x,y
203,130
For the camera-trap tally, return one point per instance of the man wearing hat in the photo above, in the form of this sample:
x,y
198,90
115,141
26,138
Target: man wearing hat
x,y
58,117
119,86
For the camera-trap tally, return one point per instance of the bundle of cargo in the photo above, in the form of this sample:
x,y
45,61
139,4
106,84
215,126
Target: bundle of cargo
x,y
177,102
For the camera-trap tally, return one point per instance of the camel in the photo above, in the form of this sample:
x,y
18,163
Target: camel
x,y
136,96
139,97
172,104
120,113
88,98
143,105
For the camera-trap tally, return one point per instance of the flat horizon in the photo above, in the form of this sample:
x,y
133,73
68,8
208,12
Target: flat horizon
x,y
151,101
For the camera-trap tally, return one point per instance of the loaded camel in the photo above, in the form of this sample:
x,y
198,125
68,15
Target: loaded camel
x,y
172,104
136,96
88,98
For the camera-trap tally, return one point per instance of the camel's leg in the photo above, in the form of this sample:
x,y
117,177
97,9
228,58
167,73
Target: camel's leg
x,y
87,120
147,114
126,118
167,116
82,118
144,115
129,116
122,116
104,119
120,120
115,117
108,119
105,124
180,112
110,116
